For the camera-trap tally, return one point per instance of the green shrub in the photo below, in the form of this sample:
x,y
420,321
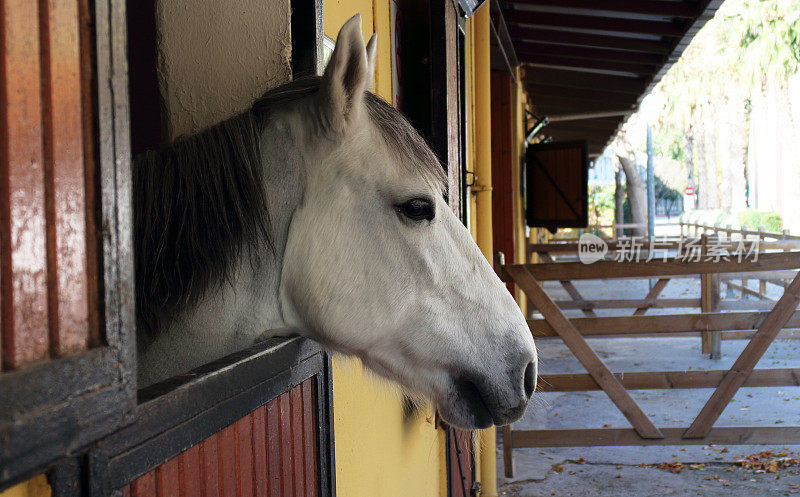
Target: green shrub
x,y
770,220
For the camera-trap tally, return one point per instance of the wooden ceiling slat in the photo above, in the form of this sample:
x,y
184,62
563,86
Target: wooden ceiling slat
x,y
576,79
545,90
588,125
553,60
590,53
645,7
672,29
553,106
521,33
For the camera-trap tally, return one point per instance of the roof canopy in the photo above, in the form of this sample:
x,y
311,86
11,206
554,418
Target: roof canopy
x,y
589,63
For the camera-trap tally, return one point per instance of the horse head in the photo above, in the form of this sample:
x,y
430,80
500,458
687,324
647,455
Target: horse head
x,y
378,266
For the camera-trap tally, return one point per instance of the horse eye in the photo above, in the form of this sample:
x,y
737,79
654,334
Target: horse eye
x,y
417,209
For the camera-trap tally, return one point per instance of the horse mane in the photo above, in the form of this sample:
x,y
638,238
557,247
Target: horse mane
x,y
200,201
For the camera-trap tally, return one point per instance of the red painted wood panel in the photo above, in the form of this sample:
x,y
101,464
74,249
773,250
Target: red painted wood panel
x,y
144,486
298,461
273,448
168,479
244,456
64,176
309,437
271,452
285,448
210,467
461,471
23,259
46,176
260,475
191,481
227,461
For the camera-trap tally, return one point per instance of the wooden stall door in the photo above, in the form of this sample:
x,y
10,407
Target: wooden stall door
x,y
271,452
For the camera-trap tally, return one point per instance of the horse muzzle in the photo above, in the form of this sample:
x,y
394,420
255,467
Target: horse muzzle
x,y
480,401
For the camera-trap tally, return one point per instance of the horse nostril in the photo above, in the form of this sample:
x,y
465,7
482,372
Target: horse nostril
x,y
530,379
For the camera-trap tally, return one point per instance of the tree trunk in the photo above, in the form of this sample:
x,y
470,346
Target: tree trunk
x,y
725,142
619,201
736,152
702,190
636,194
710,182
688,138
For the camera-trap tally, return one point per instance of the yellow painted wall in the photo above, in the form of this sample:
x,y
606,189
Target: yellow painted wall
x,y
35,487
378,453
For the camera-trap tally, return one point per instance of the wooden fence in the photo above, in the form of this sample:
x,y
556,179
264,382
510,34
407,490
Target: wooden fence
x,y
763,325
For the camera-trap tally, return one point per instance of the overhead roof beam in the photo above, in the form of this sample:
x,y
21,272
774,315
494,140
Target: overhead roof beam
x,y
522,33
587,102
644,7
591,53
578,116
576,79
672,29
560,105
538,89
600,65
605,125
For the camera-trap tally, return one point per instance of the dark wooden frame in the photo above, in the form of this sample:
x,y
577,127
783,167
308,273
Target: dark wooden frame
x,y
582,219
61,406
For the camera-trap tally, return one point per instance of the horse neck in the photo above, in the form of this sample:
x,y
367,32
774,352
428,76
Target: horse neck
x,y
232,316
252,299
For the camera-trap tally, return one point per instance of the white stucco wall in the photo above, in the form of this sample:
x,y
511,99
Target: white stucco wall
x,y
217,57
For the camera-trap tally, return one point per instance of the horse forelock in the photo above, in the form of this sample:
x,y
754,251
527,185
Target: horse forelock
x,y
200,202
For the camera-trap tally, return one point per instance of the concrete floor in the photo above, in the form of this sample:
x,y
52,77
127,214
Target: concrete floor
x,y
617,471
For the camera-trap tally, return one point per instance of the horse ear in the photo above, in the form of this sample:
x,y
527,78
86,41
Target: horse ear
x,y
348,75
372,52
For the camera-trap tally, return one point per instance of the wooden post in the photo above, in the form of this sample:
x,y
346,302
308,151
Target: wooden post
x,y
744,239
762,284
743,367
709,302
508,451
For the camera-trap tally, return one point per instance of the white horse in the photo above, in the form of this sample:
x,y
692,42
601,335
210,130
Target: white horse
x,y
321,211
